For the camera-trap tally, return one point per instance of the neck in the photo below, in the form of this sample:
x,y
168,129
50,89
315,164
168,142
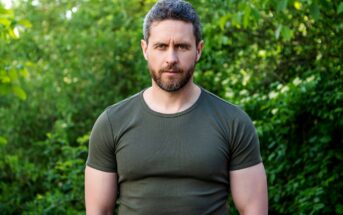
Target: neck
x,y
163,101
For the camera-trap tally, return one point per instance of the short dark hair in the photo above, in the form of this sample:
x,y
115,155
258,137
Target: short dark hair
x,y
175,10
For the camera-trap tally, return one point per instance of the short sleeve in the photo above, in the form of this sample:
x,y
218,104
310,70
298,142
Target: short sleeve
x,y
244,147
101,152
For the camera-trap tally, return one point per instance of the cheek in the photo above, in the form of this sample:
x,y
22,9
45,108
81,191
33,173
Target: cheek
x,y
188,60
154,61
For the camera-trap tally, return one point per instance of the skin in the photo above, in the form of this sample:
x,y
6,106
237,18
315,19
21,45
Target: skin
x,y
100,191
172,49
249,190
172,54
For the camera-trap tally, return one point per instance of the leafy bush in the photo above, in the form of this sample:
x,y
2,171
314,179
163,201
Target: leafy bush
x,y
280,60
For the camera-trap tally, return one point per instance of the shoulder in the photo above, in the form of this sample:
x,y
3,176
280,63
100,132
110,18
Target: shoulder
x,y
115,117
124,107
219,105
119,112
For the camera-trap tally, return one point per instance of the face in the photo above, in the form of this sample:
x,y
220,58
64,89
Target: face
x,y
172,54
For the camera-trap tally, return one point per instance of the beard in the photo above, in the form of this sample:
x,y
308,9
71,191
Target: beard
x,y
172,84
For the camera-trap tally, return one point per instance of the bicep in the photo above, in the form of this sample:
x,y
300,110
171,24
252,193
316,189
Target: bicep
x,y
100,191
249,190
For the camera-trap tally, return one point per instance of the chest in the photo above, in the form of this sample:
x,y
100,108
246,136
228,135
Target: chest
x,y
170,147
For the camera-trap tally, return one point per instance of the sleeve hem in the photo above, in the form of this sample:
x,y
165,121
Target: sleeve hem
x,y
104,169
245,165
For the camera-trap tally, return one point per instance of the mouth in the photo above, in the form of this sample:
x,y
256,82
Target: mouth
x,y
171,70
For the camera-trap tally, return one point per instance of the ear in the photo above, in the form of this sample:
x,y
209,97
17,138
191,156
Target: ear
x,y
200,46
144,46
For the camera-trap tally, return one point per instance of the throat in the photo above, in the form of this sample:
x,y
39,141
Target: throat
x,y
170,103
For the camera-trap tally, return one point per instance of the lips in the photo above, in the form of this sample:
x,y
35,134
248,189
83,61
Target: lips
x,y
171,70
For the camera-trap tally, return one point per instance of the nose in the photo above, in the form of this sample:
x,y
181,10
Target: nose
x,y
171,57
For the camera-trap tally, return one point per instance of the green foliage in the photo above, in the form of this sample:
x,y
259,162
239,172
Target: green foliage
x,y
280,60
10,69
285,69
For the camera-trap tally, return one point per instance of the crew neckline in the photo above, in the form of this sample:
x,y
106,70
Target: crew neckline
x,y
170,115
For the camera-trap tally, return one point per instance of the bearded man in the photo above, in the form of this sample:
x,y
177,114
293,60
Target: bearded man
x,y
174,148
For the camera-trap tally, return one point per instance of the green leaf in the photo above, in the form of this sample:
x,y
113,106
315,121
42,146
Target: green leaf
x,y
13,74
4,89
256,14
5,79
297,5
340,8
19,92
12,34
5,12
246,16
315,11
339,208
25,23
287,33
222,21
282,5
83,139
24,73
3,141
5,22
237,19
278,31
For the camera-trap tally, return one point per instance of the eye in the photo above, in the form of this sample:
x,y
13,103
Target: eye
x,y
182,47
161,46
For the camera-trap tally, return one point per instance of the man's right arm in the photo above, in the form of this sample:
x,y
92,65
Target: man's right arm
x,y
100,191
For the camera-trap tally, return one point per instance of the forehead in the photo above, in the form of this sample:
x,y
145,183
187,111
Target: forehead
x,y
171,29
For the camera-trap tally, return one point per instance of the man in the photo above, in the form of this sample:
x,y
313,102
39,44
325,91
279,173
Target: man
x,y
174,148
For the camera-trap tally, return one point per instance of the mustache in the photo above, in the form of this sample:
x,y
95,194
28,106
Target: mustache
x,y
171,68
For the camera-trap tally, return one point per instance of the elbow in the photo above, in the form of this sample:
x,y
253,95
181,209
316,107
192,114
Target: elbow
x,y
103,211
254,209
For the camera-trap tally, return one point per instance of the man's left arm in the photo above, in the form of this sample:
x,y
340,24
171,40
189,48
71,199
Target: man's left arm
x,y
249,190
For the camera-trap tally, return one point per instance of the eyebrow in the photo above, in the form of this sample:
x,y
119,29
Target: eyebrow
x,y
186,44
176,44
159,43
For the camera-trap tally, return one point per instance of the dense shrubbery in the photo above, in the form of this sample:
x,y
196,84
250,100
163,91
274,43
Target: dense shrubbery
x,y
280,60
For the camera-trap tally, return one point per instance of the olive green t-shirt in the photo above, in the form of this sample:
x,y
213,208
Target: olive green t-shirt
x,y
173,163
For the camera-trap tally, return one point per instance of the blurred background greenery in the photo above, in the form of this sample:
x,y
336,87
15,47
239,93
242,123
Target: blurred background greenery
x,y
63,61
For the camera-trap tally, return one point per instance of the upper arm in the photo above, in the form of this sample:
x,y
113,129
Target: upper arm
x,y
101,151
249,190
100,191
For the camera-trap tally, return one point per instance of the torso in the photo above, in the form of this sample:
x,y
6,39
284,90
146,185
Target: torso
x,y
174,163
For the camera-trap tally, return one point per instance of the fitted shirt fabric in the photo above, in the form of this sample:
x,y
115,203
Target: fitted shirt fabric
x,y
173,163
